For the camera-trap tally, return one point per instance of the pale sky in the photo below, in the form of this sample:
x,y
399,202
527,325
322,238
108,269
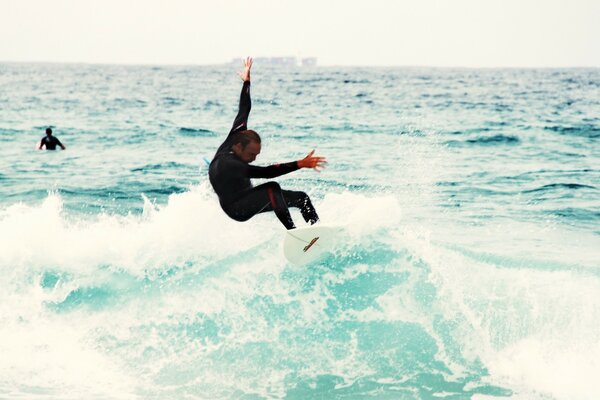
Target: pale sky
x,y
470,33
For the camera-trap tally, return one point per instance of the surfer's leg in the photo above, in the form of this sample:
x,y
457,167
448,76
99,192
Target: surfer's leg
x,y
301,201
262,198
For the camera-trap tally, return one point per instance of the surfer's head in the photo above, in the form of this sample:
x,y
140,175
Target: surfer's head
x,y
246,145
48,131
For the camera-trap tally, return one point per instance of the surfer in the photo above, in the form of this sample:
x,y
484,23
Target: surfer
x,y
50,142
230,172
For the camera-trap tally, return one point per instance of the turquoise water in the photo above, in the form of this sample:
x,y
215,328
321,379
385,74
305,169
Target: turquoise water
x,y
468,266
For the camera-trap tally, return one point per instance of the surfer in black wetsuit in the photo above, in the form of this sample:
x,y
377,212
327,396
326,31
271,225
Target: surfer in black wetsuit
x,y
230,172
50,142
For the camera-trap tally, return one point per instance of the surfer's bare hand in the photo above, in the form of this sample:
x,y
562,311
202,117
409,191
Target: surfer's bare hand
x,y
245,74
315,162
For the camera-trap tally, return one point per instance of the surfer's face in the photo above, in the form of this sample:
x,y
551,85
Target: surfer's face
x,y
248,153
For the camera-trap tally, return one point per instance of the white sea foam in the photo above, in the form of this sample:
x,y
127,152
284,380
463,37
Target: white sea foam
x,y
518,321
535,330
76,351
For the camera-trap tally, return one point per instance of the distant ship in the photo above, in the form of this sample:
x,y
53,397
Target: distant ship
x,y
282,61
309,62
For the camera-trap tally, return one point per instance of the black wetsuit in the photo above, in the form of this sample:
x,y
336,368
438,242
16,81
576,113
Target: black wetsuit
x,y
51,142
230,178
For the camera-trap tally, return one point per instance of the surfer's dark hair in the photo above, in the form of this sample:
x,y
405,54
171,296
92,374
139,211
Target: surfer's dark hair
x,y
48,131
245,137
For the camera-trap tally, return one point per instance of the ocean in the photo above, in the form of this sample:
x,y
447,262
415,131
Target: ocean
x,y
467,267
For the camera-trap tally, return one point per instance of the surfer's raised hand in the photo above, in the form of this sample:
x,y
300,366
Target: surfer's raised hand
x,y
314,162
245,74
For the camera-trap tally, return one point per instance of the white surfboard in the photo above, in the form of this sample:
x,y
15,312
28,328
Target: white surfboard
x,y
303,245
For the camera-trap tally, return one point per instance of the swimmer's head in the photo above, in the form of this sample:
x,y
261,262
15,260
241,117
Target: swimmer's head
x,y
48,131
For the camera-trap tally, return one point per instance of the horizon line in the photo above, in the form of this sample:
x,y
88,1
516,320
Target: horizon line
x,y
176,64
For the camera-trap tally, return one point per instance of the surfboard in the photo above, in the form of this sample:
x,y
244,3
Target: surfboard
x,y
303,245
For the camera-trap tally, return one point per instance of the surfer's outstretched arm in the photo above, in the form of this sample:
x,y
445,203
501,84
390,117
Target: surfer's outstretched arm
x,y
310,161
241,120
